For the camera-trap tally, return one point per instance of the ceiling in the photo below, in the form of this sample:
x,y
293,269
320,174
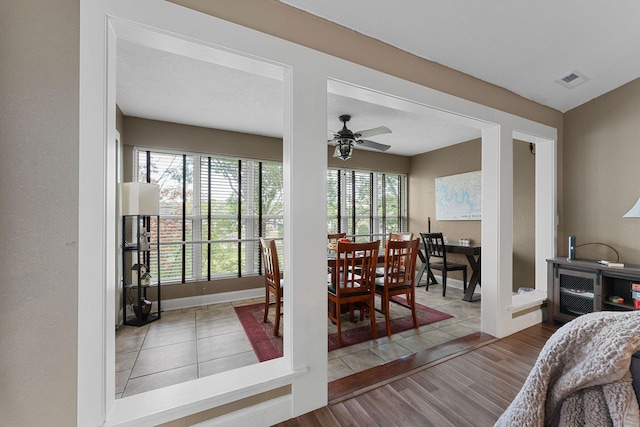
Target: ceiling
x,y
549,39
159,85
523,46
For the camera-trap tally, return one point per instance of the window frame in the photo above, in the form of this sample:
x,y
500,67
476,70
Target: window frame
x,y
345,215
250,217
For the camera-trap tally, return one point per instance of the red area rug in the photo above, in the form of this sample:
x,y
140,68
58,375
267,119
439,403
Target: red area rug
x,y
268,347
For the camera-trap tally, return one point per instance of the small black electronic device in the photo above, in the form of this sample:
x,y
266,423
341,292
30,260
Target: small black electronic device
x,y
572,248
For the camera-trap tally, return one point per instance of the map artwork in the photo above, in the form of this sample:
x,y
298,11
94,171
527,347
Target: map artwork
x,y
459,197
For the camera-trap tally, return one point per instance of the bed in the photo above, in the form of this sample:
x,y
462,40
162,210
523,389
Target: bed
x,y
584,375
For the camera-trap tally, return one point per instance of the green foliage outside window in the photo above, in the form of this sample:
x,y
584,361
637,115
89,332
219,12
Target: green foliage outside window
x,y
365,205
213,210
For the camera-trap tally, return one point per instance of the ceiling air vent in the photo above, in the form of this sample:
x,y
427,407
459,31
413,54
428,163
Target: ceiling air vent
x,y
573,79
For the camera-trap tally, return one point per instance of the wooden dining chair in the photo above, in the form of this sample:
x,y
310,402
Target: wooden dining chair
x,y
333,237
332,240
354,282
401,236
273,281
436,254
399,277
396,237
332,244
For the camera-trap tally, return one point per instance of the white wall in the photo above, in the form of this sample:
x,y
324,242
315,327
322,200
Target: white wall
x,y
306,73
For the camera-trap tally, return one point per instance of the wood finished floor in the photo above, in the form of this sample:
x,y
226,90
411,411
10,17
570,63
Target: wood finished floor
x,y
472,387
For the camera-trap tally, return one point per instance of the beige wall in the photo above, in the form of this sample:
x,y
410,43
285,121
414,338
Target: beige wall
x,y
524,218
152,133
275,18
372,161
39,217
39,214
466,157
425,168
602,175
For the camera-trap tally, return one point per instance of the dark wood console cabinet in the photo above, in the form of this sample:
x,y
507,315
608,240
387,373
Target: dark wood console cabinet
x,y
583,286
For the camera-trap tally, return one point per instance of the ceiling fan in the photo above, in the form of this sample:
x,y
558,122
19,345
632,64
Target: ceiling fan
x,y
345,140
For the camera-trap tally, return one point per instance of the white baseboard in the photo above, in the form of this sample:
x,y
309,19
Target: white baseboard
x,y
196,301
527,320
451,283
263,414
178,303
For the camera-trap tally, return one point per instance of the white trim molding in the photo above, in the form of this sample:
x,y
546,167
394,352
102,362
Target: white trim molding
x,y
307,75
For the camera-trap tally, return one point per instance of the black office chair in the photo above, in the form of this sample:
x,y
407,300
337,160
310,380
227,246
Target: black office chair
x,y
437,259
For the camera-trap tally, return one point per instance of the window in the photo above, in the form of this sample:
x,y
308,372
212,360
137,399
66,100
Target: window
x,y
213,210
366,205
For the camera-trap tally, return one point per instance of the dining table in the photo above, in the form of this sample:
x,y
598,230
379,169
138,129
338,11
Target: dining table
x,y
471,251
331,263
332,268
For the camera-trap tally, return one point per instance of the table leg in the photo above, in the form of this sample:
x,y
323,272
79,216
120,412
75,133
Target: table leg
x,y
431,277
475,279
425,267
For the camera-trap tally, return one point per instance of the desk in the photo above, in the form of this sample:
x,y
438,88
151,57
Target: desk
x,y
472,252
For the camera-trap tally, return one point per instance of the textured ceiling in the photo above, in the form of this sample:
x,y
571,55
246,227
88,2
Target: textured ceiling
x,y
525,47
159,85
522,46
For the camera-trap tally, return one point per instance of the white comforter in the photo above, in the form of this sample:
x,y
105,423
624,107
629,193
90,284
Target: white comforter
x,y
582,377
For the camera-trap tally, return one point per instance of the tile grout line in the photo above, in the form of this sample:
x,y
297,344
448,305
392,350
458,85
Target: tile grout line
x,y
452,307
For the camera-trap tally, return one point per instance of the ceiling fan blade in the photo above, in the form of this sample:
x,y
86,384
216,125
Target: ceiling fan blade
x,y
372,144
372,132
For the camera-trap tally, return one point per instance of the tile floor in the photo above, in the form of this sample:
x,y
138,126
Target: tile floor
x,y
191,343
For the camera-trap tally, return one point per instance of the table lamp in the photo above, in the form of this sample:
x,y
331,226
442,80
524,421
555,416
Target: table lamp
x,y
634,212
140,198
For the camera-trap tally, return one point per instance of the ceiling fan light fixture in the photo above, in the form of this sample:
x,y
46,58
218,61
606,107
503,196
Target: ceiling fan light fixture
x,y
345,140
344,148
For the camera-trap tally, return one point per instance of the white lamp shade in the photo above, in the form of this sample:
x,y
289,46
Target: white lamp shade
x,y
634,212
140,198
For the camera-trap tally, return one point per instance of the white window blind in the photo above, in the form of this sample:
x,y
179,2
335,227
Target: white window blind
x,y
366,205
213,210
